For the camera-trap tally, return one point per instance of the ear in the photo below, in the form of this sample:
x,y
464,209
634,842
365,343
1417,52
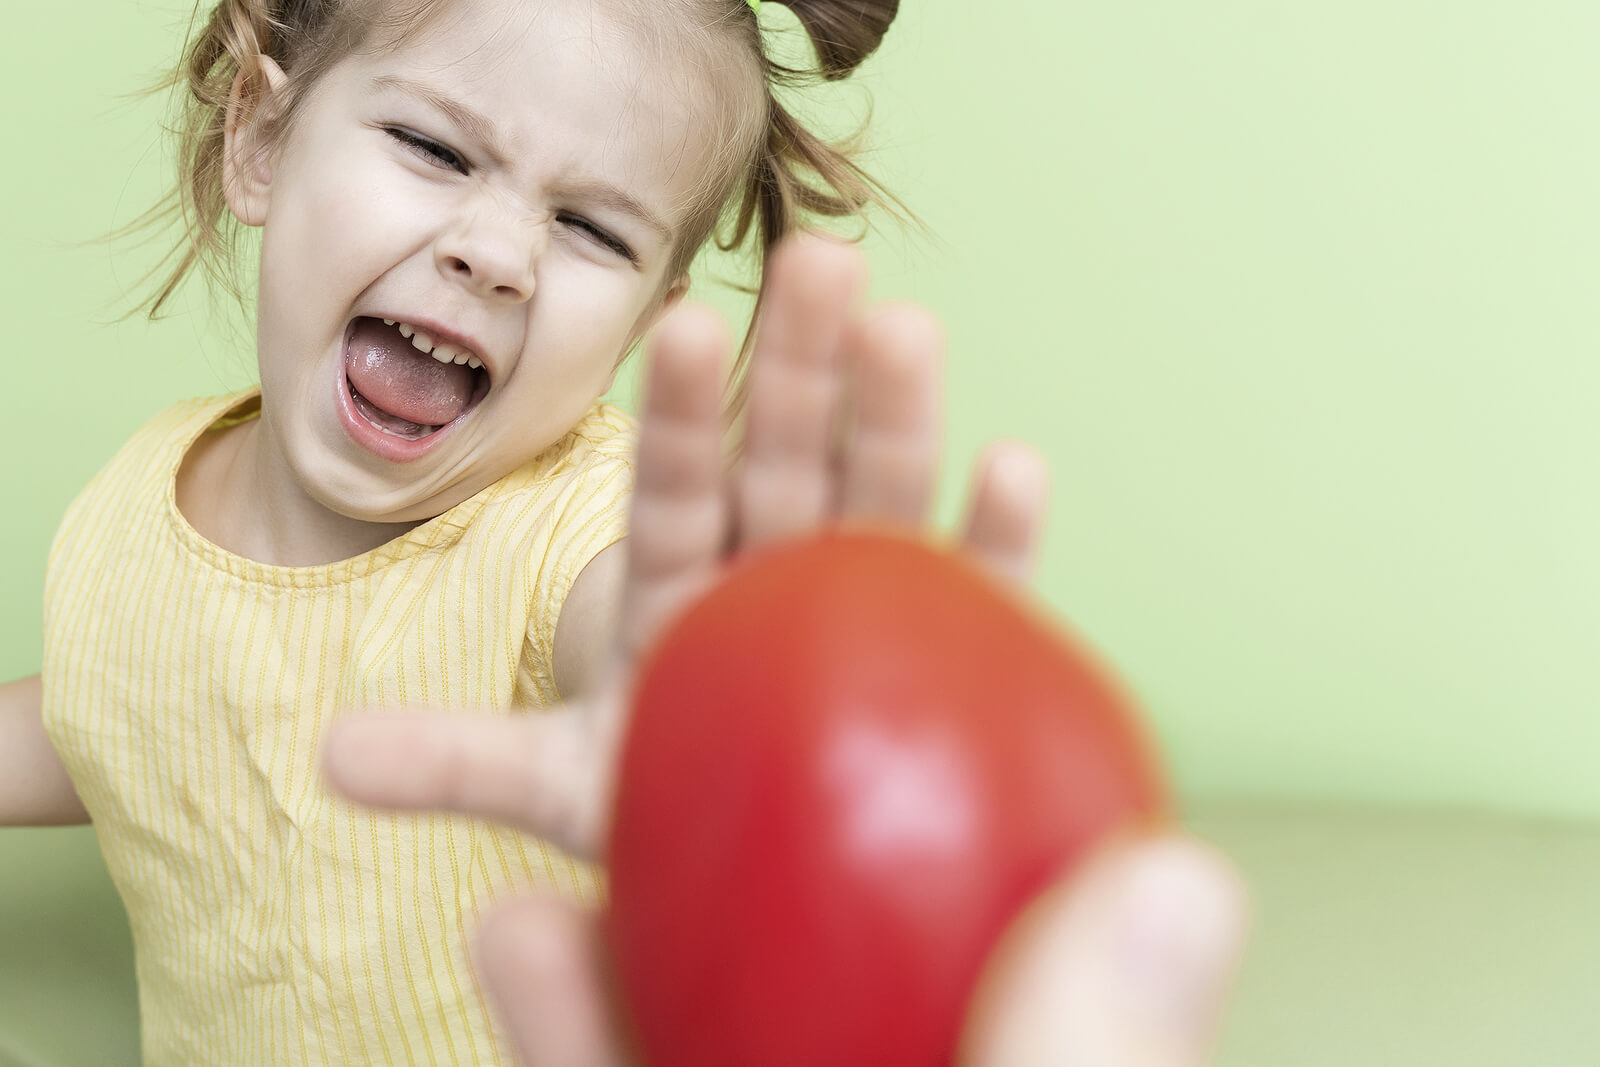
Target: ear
x,y
246,153
675,294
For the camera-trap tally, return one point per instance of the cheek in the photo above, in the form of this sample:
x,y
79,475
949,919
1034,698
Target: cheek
x,y
594,310
581,331
337,228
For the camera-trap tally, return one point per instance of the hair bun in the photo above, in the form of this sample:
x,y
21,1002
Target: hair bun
x,y
844,32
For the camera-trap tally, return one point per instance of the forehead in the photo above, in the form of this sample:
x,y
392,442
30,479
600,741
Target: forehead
x,y
565,84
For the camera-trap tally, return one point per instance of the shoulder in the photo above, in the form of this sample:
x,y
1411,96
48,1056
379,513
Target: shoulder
x,y
115,517
607,430
577,482
144,467
165,436
604,440
563,511
550,517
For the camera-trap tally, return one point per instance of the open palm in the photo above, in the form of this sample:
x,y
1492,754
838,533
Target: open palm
x,y
1059,988
843,425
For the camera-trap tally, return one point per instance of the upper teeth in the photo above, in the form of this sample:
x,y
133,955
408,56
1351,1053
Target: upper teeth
x,y
444,353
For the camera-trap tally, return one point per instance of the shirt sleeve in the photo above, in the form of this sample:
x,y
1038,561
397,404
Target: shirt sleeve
x,y
588,515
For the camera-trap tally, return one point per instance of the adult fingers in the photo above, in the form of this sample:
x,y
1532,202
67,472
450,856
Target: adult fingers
x,y
785,484
540,961
1127,966
891,455
1007,501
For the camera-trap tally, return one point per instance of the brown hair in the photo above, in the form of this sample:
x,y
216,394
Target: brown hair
x,y
776,172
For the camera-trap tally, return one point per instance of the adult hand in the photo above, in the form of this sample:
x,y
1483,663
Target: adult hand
x,y
842,426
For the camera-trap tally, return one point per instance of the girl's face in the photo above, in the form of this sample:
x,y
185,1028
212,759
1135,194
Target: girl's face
x,y
509,183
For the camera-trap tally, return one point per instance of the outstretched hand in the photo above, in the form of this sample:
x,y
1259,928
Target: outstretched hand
x,y
843,425
1125,965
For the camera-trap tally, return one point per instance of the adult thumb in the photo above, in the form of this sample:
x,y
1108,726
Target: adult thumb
x,y
1125,965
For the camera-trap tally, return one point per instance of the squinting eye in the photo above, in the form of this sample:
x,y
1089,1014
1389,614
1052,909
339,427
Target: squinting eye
x,y
427,148
600,236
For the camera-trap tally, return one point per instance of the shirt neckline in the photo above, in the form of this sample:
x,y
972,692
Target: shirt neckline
x,y
438,532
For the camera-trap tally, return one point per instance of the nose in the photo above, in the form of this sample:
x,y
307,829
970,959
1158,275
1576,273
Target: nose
x,y
493,254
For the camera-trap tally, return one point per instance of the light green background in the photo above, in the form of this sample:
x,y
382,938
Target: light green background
x,y
1297,299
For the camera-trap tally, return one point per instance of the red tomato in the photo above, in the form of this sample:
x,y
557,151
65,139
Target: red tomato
x,y
850,765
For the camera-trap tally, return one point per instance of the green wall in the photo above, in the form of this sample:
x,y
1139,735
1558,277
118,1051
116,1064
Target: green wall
x,y
1297,299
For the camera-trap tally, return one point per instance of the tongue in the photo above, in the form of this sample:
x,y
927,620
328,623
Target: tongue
x,y
398,380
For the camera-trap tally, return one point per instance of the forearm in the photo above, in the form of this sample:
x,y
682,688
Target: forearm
x,y
34,787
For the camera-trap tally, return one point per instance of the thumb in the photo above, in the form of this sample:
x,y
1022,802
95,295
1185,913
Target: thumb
x,y
1126,965
541,961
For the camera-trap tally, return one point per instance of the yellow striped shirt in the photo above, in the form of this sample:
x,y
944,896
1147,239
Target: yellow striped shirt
x,y
188,689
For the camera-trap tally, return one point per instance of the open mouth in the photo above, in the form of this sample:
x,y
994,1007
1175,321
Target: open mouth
x,y
404,383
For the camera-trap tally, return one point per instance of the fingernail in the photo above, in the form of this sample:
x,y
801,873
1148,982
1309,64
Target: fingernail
x,y
1180,921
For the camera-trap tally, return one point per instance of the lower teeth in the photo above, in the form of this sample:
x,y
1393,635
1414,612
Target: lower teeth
x,y
406,430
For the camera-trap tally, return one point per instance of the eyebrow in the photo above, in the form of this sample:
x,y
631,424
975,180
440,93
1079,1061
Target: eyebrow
x,y
482,130
476,126
609,196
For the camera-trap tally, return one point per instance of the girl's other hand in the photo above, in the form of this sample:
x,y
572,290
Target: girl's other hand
x,y
1127,964
843,424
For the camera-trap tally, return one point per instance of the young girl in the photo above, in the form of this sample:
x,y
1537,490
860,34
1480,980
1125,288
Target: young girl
x,y
470,212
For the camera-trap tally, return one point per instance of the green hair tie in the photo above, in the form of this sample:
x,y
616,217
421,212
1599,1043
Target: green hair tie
x,y
755,5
